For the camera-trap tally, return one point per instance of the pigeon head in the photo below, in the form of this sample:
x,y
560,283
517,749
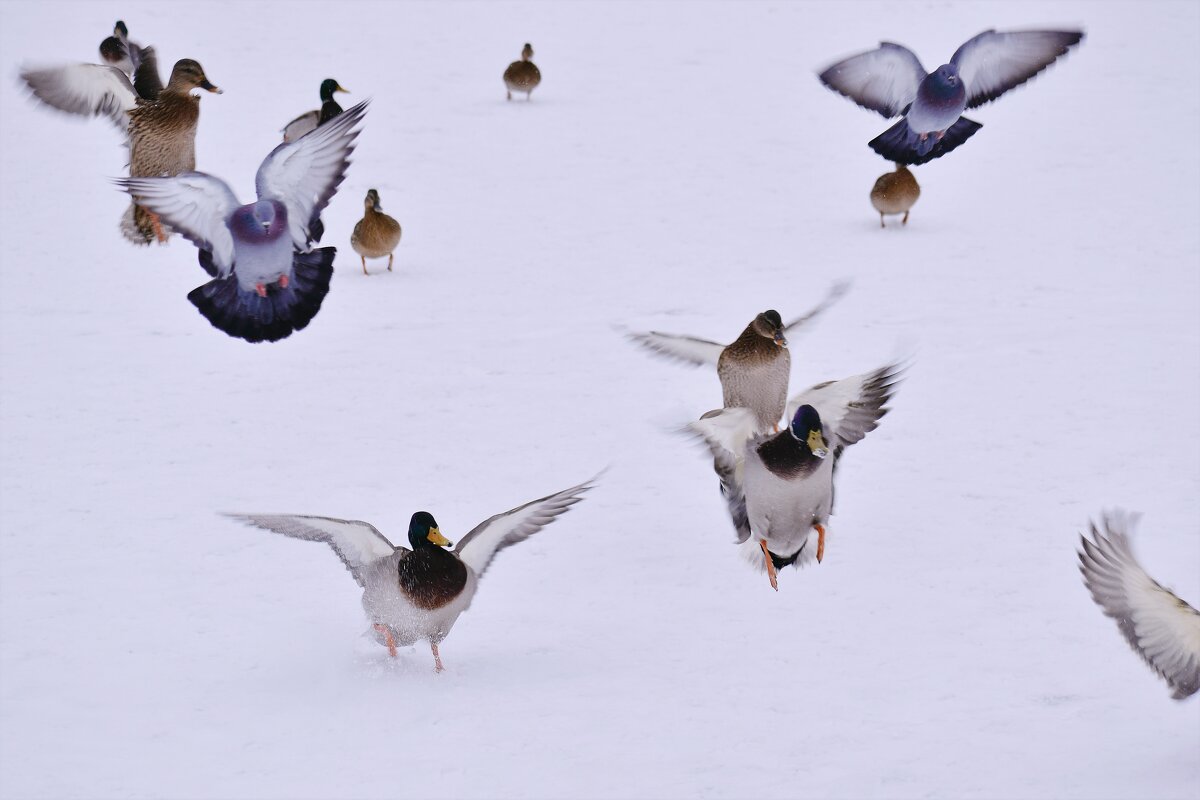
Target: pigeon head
x,y
946,77
259,222
806,428
769,325
329,86
423,532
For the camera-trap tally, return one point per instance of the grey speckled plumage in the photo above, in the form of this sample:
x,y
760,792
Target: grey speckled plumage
x,y
777,487
1160,627
394,588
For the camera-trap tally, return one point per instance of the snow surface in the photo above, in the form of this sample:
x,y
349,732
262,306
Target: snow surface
x,y
679,169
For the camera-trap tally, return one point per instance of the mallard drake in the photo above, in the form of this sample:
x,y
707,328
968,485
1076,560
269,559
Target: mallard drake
x,y
268,282
161,131
895,193
376,234
755,368
418,594
523,75
309,120
1161,628
779,487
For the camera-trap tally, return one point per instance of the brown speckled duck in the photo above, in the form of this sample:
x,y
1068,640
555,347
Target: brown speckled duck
x,y
895,193
376,234
523,75
416,594
161,130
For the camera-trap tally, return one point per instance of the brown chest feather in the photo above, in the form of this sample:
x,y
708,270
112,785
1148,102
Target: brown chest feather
x,y
432,578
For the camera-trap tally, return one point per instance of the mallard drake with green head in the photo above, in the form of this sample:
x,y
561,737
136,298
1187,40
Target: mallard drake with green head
x,y
779,487
895,193
755,368
416,594
309,120
376,234
161,131
523,75
1161,628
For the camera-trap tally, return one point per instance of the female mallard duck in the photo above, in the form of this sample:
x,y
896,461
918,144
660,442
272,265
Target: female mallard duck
x,y
895,193
309,120
754,370
268,281
779,488
117,51
1161,628
419,593
523,75
161,131
376,234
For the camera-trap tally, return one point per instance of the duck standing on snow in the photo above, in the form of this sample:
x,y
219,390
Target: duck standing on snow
x,y
309,120
523,75
161,130
754,369
376,234
1161,628
779,488
419,593
268,281
895,193
891,81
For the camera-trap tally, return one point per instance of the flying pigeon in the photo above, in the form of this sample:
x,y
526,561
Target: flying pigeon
x,y
891,81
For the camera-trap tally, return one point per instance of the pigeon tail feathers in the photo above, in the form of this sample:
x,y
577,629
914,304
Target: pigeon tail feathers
x,y
901,144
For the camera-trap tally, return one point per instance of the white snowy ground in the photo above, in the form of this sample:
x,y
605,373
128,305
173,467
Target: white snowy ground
x,y
680,169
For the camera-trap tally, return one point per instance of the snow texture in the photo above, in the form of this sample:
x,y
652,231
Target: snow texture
x,y
679,169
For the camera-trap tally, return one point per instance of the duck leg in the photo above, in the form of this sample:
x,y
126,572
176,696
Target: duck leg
x,y
387,635
364,260
509,95
437,659
881,224
392,255
820,529
770,564
156,225
905,220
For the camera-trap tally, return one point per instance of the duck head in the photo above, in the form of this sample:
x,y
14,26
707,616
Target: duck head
x,y
328,87
769,325
371,203
187,75
527,52
423,532
806,428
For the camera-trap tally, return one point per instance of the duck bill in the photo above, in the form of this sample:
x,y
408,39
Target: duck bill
x,y
816,443
780,339
204,84
378,208
340,88
436,537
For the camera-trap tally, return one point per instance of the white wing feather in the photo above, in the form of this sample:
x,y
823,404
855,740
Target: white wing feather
x,y
356,543
305,174
196,205
884,80
305,123
992,63
85,89
852,407
1161,628
480,545
687,349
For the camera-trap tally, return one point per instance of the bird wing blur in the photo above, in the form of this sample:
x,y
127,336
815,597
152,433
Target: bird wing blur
x,y
195,205
688,349
836,292
992,63
84,89
852,407
883,80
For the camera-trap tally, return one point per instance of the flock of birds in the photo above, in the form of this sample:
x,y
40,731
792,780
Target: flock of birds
x,y
269,279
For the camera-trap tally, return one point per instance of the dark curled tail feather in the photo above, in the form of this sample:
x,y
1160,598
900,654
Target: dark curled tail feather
x,y
246,315
900,144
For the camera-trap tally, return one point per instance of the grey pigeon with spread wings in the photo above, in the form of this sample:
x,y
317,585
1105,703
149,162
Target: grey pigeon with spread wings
x,y
416,594
1161,628
779,488
891,81
268,282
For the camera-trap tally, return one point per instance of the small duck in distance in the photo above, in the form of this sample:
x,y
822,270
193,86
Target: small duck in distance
x,y
376,234
523,75
309,120
895,193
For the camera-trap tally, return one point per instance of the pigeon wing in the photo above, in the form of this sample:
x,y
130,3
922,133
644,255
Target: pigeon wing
x,y
884,80
992,63
85,89
356,543
305,174
1161,628
196,205
480,545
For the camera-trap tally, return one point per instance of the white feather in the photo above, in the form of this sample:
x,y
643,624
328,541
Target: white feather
x,y
196,205
991,63
884,80
357,544
85,89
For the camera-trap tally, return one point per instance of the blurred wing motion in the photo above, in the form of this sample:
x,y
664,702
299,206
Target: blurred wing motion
x,y
356,543
305,123
1161,628
727,431
883,80
687,349
85,89
194,204
146,78
305,174
852,407
836,292
992,63
480,545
